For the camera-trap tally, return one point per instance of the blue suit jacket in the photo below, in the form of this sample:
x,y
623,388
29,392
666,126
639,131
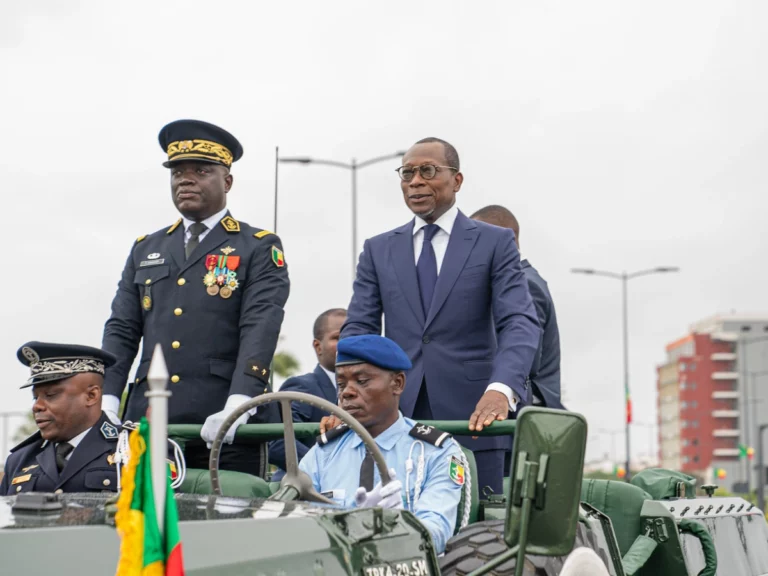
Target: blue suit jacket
x,y
545,374
453,345
317,384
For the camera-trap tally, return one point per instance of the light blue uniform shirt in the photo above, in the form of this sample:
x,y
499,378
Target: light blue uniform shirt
x,y
335,468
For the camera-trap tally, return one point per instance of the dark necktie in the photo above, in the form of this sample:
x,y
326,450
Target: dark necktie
x,y
426,267
366,471
195,230
62,451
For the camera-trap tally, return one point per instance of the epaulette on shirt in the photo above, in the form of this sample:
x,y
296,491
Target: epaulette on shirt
x,y
27,441
262,233
332,434
429,434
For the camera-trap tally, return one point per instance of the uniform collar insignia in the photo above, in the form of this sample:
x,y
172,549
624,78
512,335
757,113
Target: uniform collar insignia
x,y
28,468
108,431
230,224
175,225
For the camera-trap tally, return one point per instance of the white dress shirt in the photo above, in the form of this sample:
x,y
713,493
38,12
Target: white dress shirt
x,y
331,377
209,222
440,245
75,441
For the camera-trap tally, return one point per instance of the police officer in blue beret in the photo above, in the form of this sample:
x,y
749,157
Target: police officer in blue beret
x,y
211,290
427,465
73,449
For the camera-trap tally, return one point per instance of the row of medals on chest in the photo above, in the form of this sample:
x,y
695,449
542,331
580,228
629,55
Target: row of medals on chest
x,y
221,278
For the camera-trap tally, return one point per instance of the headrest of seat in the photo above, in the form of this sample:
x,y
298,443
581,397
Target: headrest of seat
x,y
663,484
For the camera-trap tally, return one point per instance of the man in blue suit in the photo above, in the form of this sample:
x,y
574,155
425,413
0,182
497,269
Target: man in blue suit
x,y
545,373
456,300
320,382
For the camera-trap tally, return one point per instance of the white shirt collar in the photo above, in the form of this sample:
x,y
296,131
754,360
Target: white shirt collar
x,y
331,376
445,222
209,222
79,438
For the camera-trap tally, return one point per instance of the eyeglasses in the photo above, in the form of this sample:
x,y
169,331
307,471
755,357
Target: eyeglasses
x,y
427,171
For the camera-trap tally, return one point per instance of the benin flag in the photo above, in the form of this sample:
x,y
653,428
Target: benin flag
x,y
143,552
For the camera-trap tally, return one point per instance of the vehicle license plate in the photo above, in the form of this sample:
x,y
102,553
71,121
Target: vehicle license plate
x,y
416,567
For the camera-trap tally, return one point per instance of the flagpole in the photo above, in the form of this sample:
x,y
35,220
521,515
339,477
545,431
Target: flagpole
x,y
158,430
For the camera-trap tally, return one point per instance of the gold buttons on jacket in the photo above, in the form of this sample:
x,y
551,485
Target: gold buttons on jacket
x,y
175,378
148,281
178,311
181,281
59,491
106,482
175,345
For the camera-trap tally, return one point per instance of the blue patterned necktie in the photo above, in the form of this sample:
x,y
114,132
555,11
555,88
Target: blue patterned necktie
x,y
426,267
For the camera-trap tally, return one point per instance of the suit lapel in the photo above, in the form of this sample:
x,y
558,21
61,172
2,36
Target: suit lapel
x,y
404,262
212,240
460,244
92,446
329,391
47,461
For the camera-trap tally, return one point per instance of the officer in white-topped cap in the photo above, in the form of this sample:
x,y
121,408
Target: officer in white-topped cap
x,y
428,467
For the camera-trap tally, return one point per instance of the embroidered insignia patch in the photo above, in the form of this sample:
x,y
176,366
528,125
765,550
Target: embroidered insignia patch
x,y
20,479
146,303
28,468
456,471
228,250
30,355
230,224
277,257
108,431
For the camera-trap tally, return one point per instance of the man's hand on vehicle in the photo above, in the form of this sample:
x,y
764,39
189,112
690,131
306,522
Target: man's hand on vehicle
x,y
492,406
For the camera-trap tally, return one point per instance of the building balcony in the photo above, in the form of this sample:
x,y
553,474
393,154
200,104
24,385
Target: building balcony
x,y
725,395
725,336
725,433
725,375
725,452
725,413
723,356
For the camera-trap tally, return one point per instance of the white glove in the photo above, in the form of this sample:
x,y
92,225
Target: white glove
x,y
214,421
110,405
388,496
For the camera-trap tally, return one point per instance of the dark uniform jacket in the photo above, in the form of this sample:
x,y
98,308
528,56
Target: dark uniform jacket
x,y
213,346
31,467
545,373
315,383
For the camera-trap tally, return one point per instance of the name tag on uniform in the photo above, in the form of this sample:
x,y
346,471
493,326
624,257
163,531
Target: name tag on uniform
x,y
338,494
20,479
151,262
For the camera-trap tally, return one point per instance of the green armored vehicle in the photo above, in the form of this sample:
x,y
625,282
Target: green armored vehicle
x,y
548,520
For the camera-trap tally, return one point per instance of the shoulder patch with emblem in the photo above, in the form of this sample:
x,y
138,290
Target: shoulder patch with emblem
x,y
263,233
332,434
175,225
230,224
456,471
109,431
140,238
278,257
429,434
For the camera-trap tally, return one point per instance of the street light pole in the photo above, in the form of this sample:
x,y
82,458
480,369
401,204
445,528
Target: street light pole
x,y
353,167
761,468
624,277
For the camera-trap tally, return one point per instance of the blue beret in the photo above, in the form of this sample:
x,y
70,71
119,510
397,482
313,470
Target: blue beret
x,y
49,362
372,349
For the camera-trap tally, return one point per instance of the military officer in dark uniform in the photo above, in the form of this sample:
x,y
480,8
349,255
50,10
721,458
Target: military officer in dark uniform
x,y
73,449
211,290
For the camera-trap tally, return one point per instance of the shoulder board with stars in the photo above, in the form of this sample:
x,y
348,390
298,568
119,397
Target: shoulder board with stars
x,y
332,434
174,226
429,434
263,233
230,224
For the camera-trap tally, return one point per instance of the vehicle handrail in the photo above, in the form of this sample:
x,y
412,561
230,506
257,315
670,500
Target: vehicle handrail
x,y
248,433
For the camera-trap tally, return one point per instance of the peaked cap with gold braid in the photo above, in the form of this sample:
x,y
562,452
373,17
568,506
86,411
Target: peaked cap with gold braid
x,y
198,141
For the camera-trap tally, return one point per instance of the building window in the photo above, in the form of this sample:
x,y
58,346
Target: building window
x,y
695,458
682,366
683,405
682,386
692,367
694,404
695,423
693,385
683,424
685,442
685,459
695,441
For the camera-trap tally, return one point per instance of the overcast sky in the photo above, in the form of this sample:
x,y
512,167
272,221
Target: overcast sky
x,y
622,135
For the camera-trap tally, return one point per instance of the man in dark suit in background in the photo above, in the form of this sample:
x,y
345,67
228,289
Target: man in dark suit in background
x,y
320,382
456,301
545,373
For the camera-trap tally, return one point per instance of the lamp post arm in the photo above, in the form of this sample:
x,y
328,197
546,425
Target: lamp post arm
x,y
379,159
591,272
652,271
